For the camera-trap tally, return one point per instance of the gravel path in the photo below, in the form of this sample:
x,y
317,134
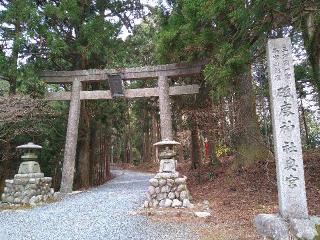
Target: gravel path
x,y
100,213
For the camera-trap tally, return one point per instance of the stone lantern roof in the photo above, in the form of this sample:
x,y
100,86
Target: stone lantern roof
x,y
29,145
166,142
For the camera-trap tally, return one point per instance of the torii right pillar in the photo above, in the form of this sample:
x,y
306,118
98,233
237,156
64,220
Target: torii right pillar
x,y
165,108
293,221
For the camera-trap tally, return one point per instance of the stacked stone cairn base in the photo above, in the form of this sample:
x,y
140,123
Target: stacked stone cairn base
x,y
29,188
168,190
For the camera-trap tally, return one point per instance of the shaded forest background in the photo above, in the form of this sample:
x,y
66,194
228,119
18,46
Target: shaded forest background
x,y
231,113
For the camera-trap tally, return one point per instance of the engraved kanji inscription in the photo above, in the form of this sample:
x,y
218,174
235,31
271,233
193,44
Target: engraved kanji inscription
x,y
277,70
292,181
291,164
287,69
276,53
287,126
277,77
285,52
286,63
287,75
276,64
286,109
289,147
284,92
286,130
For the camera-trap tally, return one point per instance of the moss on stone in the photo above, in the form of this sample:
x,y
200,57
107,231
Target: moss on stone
x,y
318,230
249,154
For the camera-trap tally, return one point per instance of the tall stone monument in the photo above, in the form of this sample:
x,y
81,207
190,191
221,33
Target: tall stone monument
x,y
293,218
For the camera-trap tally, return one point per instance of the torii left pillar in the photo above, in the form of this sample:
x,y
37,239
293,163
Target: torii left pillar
x,y
71,139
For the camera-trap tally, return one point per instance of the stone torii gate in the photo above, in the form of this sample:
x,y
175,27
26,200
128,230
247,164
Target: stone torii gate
x,y
115,78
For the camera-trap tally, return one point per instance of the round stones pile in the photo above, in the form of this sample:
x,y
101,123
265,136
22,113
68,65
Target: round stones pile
x,y
29,188
168,191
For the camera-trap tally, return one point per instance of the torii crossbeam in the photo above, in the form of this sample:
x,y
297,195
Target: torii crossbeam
x,y
163,91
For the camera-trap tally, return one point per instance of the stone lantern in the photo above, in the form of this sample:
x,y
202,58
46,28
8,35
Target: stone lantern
x,y
29,186
29,159
167,154
168,189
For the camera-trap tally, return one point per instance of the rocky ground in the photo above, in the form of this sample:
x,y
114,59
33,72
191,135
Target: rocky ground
x,y
100,213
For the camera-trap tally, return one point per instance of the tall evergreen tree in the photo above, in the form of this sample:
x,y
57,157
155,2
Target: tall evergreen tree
x,y
79,34
218,31
18,23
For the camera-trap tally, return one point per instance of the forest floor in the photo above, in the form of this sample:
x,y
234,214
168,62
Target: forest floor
x,y
237,196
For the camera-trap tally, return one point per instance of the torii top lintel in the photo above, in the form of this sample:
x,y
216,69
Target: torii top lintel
x,y
147,72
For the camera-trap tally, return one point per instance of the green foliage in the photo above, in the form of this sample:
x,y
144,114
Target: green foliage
x,y
139,47
211,176
231,34
313,140
4,88
63,35
136,156
222,150
199,29
30,83
302,72
72,34
78,34
18,22
45,125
